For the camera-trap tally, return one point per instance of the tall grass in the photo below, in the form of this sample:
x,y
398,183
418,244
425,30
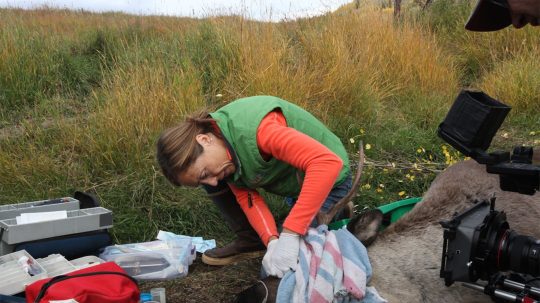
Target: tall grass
x,y
39,62
516,81
475,53
84,97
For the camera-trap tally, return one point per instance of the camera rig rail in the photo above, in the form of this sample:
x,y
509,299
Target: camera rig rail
x,y
505,289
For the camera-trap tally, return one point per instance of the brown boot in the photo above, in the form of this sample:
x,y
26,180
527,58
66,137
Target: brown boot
x,y
238,250
247,244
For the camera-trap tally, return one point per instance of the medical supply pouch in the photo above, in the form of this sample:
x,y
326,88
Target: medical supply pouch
x,y
103,283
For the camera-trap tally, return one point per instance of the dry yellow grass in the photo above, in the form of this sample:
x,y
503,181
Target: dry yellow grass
x,y
516,82
326,63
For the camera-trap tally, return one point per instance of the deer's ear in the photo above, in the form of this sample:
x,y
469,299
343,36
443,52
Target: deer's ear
x,y
366,225
264,290
257,293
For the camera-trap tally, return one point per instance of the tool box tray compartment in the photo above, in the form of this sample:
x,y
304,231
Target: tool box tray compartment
x,y
77,221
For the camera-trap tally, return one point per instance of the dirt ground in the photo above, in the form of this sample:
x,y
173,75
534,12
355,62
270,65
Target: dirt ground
x,y
209,283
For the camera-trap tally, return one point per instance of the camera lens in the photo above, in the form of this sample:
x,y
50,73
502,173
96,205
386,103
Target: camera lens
x,y
479,244
519,253
496,247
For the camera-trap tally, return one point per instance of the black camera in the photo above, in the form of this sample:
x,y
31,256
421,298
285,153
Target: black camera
x,y
478,243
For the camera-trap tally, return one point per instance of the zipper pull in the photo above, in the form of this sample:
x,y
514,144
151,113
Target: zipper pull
x,y
250,200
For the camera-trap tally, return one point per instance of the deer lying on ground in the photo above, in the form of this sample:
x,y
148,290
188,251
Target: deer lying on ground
x,y
406,256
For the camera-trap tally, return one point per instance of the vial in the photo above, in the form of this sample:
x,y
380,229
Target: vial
x,y
158,294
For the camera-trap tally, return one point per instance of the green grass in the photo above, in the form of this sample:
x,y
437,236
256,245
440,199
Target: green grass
x,y
84,97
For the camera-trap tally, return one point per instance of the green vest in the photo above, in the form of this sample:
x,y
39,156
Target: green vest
x,y
238,122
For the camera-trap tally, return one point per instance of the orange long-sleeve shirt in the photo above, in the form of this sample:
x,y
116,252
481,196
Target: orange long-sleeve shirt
x,y
321,167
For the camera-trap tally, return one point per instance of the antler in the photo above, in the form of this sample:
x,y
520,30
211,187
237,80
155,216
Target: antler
x,y
325,218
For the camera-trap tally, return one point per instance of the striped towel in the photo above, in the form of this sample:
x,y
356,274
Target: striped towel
x,y
333,266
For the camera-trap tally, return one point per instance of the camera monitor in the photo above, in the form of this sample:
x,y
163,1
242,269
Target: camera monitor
x,y
471,123
469,127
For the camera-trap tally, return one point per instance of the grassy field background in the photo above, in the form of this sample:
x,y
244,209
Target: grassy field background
x,y
84,96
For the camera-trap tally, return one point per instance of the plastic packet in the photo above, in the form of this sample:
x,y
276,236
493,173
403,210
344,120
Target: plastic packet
x,y
155,260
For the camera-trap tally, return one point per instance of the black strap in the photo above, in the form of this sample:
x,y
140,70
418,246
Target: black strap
x,y
61,278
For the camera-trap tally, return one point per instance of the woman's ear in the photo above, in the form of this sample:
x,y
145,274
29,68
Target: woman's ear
x,y
203,139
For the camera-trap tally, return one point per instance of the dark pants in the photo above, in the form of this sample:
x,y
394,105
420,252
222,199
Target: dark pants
x,y
230,210
336,194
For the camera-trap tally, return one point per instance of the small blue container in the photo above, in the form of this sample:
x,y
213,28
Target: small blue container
x,y
146,297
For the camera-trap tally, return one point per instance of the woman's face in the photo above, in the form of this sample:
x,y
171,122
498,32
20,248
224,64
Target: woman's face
x,y
212,165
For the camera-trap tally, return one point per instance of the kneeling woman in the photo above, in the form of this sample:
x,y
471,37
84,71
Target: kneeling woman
x,y
260,142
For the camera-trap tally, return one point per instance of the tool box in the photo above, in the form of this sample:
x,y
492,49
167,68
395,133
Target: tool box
x,y
80,227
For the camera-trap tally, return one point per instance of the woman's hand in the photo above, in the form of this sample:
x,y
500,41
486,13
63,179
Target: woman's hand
x,y
282,254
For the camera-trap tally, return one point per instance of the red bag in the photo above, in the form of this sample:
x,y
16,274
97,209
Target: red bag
x,y
101,283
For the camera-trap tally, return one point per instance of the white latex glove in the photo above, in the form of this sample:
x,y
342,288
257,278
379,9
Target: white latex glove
x,y
282,255
268,255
